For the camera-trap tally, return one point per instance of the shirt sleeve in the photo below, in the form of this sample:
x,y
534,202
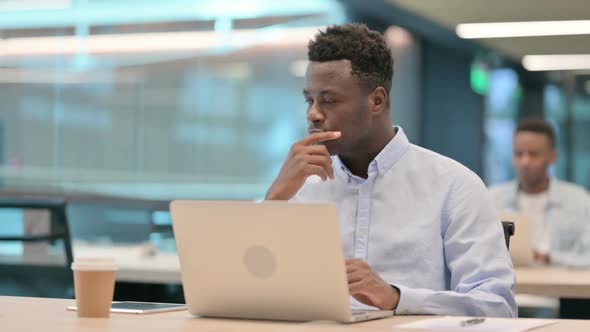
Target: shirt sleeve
x,y
578,240
482,279
308,192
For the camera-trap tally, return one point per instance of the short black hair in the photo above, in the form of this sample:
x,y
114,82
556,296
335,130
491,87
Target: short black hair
x,y
370,57
539,126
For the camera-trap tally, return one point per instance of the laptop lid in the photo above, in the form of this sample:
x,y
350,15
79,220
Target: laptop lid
x,y
269,260
521,250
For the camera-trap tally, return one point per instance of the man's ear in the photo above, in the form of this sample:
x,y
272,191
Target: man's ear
x,y
378,100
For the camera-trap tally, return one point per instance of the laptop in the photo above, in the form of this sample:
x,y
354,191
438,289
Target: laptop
x,y
270,260
521,249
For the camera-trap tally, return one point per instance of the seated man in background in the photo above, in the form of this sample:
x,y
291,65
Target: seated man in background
x,y
420,232
558,212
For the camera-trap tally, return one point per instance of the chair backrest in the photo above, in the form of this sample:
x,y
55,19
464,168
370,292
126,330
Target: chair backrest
x,y
508,231
34,277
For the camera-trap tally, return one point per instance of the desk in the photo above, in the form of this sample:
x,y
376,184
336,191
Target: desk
x,y
36,314
572,286
137,263
553,281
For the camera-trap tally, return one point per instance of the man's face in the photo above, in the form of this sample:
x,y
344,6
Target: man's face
x,y
336,102
533,154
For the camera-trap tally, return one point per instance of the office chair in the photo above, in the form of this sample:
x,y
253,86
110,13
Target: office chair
x,y
508,231
37,278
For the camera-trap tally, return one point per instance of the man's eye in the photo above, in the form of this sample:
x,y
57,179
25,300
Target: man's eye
x,y
309,101
329,101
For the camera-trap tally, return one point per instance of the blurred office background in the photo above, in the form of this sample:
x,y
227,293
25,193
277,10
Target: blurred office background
x,y
202,99
120,106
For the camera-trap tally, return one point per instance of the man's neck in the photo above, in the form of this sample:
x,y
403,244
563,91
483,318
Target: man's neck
x,y
534,188
358,162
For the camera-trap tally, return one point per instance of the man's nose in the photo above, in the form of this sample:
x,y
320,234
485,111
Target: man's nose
x,y
524,160
314,114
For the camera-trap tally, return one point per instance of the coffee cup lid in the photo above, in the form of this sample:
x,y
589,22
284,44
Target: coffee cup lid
x,y
94,264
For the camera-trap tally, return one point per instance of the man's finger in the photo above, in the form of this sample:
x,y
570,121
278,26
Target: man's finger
x,y
353,261
358,287
320,150
319,137
351,268
354,277
322,161
353,264
316,170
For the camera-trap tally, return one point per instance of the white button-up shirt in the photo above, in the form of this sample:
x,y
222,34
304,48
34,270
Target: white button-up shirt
x,y
566,215
427,225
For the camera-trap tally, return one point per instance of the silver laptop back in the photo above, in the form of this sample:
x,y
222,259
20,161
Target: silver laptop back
x,y
270,260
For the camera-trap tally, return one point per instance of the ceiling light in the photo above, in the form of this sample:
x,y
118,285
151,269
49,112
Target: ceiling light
x,y
556,62
398,37
522,29
19,5
153,42
43,76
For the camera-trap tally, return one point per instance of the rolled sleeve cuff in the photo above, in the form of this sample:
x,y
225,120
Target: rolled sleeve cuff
x,y
411,301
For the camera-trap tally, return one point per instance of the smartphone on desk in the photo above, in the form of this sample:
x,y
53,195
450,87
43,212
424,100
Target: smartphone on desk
x,y
131,307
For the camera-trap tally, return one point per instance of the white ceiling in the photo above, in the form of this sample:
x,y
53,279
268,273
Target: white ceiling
x,y
449,13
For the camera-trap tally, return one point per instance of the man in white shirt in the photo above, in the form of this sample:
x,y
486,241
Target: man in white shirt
x,y
420,232
558,212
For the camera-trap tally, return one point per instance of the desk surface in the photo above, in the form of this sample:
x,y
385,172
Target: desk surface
x,y
553,281
35,314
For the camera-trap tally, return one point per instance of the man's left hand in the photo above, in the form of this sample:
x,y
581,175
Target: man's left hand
x,y
541,258
367,287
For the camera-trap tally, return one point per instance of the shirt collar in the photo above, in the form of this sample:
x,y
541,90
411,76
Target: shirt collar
x,y
385,160
553,194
